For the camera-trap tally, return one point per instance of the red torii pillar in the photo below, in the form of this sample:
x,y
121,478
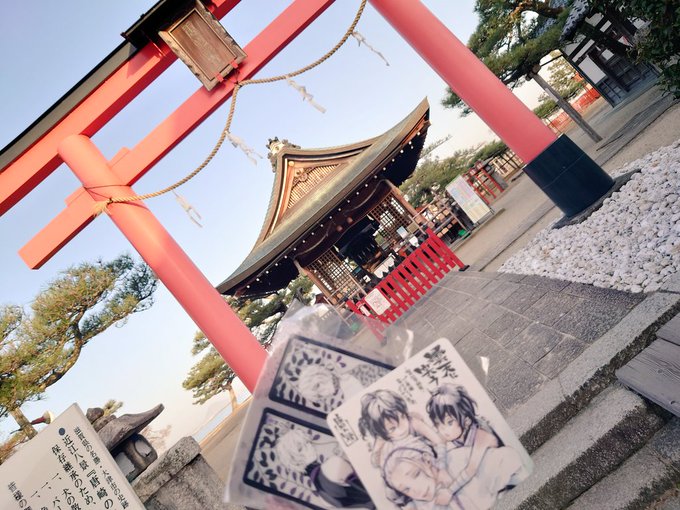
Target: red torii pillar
x,y
232,339
558,166
66,141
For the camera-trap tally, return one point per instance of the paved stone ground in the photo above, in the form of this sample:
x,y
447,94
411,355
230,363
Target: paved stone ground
x,y
530,328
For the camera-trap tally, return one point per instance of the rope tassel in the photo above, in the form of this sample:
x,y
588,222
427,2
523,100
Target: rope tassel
x,y
306,96
100,207
362,40
240,144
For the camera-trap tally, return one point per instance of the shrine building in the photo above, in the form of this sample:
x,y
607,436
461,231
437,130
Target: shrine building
x,y
335,214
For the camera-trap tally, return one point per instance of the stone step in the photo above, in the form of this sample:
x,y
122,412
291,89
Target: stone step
x,y
545,413
642,478
608,431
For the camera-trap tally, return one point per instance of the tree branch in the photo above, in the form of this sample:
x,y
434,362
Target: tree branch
x,y
542,8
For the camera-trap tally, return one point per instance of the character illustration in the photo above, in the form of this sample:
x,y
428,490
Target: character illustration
x,y
455,460
385,417
452,412
301,462
318,379
333,477
415,480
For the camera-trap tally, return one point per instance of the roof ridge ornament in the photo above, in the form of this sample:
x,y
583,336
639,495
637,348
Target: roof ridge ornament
x,y
275,146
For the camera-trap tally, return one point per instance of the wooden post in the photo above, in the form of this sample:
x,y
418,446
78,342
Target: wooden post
x,y
565,105
316,281
396,193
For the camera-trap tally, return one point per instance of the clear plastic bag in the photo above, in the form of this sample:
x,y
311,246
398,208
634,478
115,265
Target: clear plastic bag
x,y
286,456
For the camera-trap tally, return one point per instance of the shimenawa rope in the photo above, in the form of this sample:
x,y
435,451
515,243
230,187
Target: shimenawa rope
x,y
101,206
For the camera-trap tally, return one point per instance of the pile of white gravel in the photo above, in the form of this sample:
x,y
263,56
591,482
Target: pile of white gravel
x,y
631,243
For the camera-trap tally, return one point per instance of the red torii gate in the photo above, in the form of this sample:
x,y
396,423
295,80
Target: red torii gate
x,y
550,160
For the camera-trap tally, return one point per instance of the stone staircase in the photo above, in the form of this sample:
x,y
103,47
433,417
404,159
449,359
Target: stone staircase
x,y
617,439
595,444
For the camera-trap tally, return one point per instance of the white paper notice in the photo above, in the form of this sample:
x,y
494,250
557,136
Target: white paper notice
x,y
467,199
379,303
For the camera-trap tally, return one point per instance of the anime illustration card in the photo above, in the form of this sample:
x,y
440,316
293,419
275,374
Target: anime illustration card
x,y
316,377
302,462
286,457
427,436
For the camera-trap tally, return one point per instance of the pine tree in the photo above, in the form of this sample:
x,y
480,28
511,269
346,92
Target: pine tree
x,y
40,346
512,36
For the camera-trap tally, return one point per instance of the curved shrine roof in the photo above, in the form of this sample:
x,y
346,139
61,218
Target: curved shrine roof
x,y
310,183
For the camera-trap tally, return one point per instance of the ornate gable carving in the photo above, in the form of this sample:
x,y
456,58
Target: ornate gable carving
x,y
305,180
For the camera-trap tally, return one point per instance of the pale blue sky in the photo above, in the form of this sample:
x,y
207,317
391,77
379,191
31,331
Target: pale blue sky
x,y
47,46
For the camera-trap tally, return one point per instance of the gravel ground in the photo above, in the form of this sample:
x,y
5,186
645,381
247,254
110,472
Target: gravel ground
x,y
631,243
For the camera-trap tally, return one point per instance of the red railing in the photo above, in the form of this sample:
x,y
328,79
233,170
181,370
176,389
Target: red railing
x,y
486,187
409,281
562,120
585,100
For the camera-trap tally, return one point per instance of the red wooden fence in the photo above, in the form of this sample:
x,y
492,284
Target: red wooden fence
x,y
562,120
409,281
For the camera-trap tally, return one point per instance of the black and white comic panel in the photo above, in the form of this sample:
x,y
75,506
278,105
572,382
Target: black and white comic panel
x,y
427,436
299,461
317,378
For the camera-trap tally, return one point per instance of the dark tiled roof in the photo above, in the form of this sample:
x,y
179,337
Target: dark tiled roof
x,y
550,22
326,197
579,12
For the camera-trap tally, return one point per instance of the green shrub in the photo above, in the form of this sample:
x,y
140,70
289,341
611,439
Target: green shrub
x,y
546,108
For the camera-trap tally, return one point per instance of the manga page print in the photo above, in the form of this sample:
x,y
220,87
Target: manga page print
x,y
301,462
317,378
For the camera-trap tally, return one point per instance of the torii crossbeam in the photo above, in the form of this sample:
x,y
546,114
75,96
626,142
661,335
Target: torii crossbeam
x,y
564,172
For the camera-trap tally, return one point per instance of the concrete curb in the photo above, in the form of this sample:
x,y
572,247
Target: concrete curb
x,y
615,424
559,400
672,285
636,125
